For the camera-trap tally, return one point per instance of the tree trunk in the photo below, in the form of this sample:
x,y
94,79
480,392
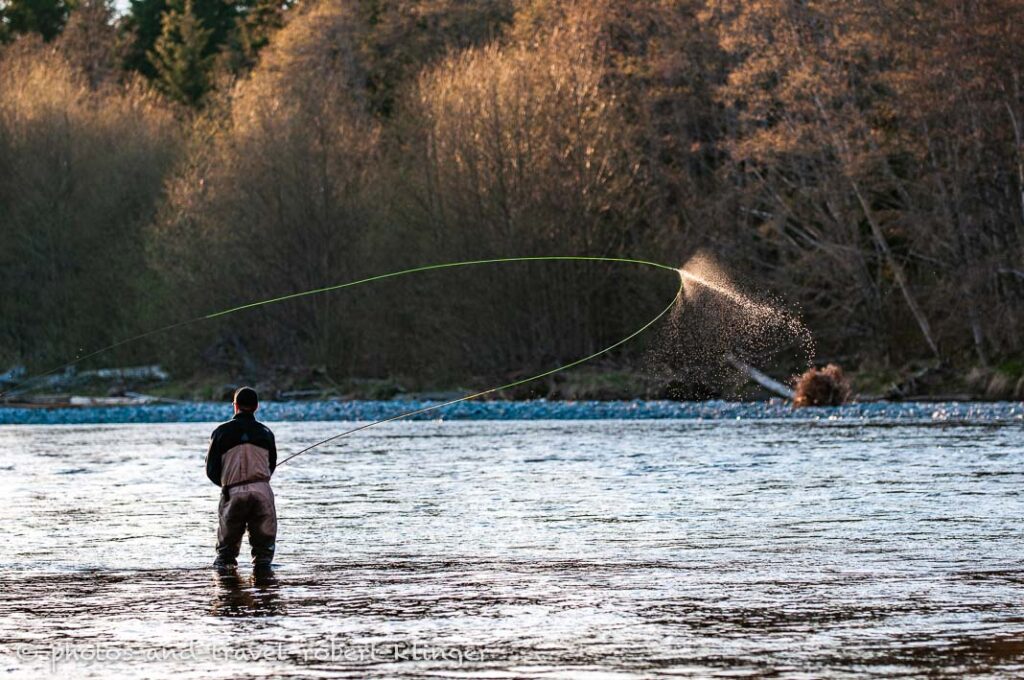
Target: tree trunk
x,y
898,273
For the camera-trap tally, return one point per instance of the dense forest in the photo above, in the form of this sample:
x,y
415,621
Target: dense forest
x,y
862,160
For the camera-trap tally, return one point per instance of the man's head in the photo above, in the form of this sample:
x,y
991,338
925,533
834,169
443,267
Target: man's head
x,y
246,400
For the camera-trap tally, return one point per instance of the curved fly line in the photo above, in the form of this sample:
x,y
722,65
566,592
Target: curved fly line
x,y
389,275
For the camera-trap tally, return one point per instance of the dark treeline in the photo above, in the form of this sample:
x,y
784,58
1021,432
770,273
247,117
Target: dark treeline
x,y
861,159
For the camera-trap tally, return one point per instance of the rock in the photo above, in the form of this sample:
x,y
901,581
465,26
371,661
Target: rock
x,y
367,411
1019,392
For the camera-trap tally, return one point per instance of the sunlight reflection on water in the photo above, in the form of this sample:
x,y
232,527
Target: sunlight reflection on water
x,y
549,547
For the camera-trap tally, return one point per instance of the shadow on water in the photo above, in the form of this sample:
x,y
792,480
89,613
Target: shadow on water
x,y
241,595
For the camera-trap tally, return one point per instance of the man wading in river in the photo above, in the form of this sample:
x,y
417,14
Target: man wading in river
x,y
241,459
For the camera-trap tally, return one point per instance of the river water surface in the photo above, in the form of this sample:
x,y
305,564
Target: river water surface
x,y
606,548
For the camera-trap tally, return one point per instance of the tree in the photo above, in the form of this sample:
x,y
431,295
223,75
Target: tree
x,y
81,171
144,26
180,55
90,40
803,88
523,150
45,17
399,38
256,22
274,197
958,102
664,68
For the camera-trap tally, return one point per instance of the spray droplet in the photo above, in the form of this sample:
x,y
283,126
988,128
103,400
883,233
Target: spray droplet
x,y
715,320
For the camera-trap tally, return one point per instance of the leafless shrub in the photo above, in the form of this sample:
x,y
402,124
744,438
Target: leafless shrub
x,y
523,153
273,199
80,173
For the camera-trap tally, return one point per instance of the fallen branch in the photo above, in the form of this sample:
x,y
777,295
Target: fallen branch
x,y
110,401
156,400
760,378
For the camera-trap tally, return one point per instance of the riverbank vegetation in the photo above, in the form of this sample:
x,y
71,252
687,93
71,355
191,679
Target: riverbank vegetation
x,y
861,160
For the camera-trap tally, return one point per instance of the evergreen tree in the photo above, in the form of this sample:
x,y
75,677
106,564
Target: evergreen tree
x,y
45,17
257,21
142,24
181,56
226,20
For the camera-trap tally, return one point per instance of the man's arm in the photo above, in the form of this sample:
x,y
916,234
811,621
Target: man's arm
x,y
214,459
272,452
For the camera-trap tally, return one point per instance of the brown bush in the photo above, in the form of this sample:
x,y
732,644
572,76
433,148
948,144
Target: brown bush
x,y
522,153
81,171
822,387
274,196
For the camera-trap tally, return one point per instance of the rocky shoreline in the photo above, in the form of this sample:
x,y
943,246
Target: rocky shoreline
x,y
140,386
538,409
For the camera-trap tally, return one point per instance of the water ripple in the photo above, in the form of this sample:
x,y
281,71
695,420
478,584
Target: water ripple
x,y
606,548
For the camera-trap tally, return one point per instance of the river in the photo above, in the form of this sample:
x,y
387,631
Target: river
x,y
796,547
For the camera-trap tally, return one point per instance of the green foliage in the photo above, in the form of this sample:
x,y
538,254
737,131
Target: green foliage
x,y
43,17
241,27
142,26
181,56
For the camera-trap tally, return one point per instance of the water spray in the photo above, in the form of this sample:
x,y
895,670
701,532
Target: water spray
x,y
701,271
688,274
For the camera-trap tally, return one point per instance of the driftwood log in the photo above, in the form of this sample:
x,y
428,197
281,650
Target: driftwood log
x,y
760,378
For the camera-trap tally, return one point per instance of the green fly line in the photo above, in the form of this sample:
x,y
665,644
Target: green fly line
x,y
389,275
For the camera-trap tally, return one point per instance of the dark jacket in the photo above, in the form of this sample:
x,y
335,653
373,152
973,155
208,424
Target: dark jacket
x,y
242,450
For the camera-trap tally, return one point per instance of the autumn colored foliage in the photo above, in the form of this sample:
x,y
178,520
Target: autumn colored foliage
x,y
862,159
